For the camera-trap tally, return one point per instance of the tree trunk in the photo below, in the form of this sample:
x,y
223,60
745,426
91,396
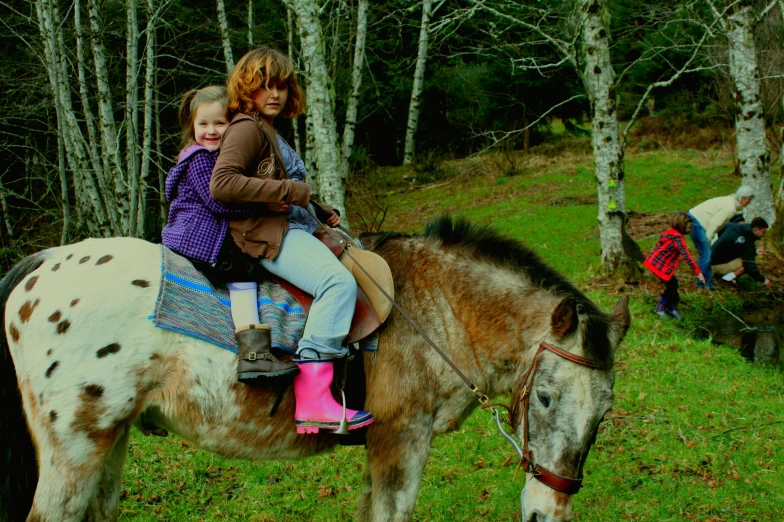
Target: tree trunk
x,y
356,83
295,122
63,184
224,30
109,136
250,24
149,112
419,80
325,140
73,142
598,77
752,144
131,115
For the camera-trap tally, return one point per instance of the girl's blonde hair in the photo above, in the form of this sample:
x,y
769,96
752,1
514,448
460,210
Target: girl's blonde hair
x,y
258,68
190,103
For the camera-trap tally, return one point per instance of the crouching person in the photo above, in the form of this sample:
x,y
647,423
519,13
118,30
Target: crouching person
x,y
735,253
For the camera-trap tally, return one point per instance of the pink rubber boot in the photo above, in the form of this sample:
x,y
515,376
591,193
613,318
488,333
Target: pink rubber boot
x,y
316,408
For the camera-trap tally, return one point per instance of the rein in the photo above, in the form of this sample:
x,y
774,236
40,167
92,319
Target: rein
x,y
566,485
481,397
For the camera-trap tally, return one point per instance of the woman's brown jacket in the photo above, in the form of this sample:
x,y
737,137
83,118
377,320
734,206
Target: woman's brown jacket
x,y
250,170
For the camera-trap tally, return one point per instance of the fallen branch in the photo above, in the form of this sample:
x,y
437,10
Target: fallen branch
x,y
749,426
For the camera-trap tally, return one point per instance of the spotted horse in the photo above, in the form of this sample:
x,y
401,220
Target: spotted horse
x,y
82,361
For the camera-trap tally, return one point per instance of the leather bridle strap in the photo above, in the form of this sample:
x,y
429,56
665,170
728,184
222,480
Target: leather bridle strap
x,y
566,485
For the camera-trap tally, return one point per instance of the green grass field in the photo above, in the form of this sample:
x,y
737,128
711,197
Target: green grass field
x,y
695,432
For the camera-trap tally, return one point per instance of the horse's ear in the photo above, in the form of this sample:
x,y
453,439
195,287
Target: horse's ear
x,y
621,317
564,318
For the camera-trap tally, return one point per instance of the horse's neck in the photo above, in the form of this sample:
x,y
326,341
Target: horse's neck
x,y
502,314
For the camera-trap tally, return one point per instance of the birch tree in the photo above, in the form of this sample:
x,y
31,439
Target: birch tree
x,y
223,22
131,114
598,77
111,194
580,39
356,82
250,24
418,86
753,157
320,112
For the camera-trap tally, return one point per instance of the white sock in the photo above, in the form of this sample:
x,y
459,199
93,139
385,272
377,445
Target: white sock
x,y
244,304
729,277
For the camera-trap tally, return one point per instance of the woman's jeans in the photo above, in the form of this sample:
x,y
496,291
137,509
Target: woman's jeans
x,y
308,264
702,244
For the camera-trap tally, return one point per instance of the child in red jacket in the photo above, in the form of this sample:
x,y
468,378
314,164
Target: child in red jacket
x,y
664,259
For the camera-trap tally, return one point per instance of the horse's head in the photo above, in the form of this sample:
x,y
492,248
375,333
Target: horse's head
x,y
559,401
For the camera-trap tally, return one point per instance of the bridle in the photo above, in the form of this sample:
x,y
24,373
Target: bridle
x,y
567,485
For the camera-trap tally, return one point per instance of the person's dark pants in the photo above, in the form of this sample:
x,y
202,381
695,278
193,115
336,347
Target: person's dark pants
x,y
670,295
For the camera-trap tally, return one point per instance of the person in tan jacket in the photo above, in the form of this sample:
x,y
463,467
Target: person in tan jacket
x,y
252,169
708,218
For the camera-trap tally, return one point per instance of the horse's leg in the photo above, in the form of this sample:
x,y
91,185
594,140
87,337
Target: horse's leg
x,y
105,503
81,436
397,454
66,488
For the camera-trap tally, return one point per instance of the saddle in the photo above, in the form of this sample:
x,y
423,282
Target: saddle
x,y
372,307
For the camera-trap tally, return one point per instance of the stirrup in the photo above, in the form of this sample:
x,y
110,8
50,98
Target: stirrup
x,y
343,429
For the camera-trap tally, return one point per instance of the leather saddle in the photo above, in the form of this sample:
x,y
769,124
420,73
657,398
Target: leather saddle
x,y
372,307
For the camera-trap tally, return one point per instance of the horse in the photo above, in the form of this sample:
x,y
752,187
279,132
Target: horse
x,y
82,363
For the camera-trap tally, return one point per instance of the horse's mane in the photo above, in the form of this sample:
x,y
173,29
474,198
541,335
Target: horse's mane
x,y
484,242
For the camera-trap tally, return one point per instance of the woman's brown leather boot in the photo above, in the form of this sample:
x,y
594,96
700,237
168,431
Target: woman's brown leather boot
x,y
255,360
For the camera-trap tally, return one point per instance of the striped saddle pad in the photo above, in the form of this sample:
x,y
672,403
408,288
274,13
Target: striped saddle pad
x,y
189,304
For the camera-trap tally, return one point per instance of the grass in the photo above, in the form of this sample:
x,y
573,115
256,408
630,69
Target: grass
x,y
695,432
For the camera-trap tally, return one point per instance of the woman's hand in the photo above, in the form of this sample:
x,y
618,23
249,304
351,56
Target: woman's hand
x,y
278,207
701,278
333,220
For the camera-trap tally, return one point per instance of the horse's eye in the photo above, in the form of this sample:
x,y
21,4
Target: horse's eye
x,y
544,398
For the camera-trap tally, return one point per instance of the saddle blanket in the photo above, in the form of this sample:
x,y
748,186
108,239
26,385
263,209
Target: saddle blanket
x,y
189,304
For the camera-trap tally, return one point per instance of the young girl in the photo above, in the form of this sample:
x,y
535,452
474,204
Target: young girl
x,y
256,167
198,226
664,259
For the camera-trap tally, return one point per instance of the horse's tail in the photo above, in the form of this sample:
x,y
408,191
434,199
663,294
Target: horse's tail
x,y
18,467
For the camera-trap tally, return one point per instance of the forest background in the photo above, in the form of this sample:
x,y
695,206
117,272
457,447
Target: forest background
x,y
90,91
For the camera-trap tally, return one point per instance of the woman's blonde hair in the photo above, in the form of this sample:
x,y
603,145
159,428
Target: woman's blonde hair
x,y
190,103
258,68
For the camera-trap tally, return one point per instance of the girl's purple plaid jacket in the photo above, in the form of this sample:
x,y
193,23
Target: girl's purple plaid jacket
x,y
197,223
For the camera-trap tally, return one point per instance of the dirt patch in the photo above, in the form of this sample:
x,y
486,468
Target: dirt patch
x,y
642,225
566,201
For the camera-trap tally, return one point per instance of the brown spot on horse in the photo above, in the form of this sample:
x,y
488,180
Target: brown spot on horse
x,y
31,283
14,332
104,259
63,326
94,390
56,267
140,283
74,302
27,310
55,317
84,260
87,419
108,349
52,368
